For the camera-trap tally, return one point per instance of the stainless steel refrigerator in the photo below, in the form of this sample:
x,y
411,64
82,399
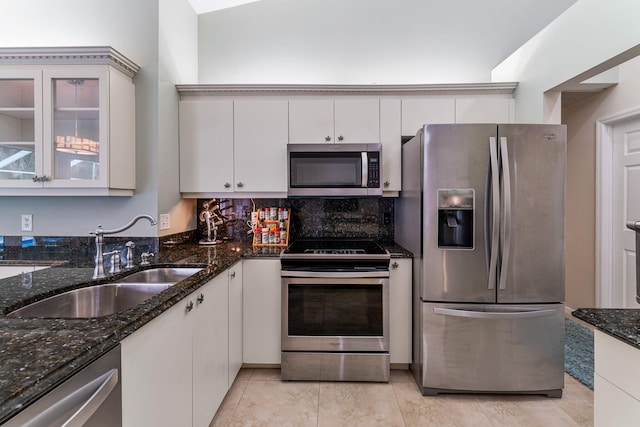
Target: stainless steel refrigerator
x,y
482,210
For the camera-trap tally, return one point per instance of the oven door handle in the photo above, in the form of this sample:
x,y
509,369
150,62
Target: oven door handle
x,y
334,274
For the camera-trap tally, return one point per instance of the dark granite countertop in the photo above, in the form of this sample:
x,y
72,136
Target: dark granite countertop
x,y
623,324
37,354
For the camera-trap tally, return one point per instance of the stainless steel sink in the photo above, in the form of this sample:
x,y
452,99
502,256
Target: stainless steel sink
x,y
160,275
111,298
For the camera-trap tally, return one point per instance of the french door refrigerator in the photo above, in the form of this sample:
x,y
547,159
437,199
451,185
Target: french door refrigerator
x,y
482,210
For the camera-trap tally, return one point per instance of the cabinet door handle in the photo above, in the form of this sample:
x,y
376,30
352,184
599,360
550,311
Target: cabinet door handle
x,y
227,185
387,183
340,138
240,185
190,306
394,265
200,298
233,274
327,138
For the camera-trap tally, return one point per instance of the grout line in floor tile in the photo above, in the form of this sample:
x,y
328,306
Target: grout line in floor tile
x,y
393,388
318,408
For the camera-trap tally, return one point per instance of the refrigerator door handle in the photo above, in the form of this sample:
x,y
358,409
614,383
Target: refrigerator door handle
x,y
495,213
506,185
493,314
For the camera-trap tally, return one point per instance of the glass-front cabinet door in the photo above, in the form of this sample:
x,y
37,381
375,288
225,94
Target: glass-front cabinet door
x,y
20,127
67,122
75,128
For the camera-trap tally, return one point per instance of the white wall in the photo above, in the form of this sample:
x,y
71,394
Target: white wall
x,y
178,59
146,31
580,119
365,41
590,37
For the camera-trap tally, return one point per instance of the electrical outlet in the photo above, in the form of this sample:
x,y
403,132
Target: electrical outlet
x,y
27,222
165,221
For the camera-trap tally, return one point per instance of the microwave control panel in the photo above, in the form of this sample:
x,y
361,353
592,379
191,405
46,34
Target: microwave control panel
x,y
374,169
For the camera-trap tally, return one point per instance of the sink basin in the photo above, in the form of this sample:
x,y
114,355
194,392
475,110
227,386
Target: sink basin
x,y
160,275
110,298
93,301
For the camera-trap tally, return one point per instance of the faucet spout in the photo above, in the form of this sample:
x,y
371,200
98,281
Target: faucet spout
x,y
131,223
98,272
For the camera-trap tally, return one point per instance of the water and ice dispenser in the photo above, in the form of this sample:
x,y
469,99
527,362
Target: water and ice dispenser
x,y
455,218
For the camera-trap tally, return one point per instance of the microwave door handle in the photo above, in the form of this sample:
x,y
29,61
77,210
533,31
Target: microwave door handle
x,y
365,169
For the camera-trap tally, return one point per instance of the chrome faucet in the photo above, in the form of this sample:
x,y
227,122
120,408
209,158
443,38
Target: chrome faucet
x,y
98,272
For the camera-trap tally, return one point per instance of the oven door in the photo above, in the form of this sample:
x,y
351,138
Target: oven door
x,y
335,312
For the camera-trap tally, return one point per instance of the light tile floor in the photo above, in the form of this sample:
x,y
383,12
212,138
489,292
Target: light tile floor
x,y
259,398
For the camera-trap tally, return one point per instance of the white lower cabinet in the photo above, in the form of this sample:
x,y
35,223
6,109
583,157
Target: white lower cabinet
x,y
156,372
235,320
210,346
616,382
400,310
261,311
176,369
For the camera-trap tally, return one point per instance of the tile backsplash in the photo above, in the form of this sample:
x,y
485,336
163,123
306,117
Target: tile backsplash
x,y
310,217
370,218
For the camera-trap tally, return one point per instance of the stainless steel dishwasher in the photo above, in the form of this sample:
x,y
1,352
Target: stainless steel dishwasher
x,y
90,398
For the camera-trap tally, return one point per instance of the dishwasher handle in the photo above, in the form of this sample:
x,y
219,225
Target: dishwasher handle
x,y
80,417
493,314
87,398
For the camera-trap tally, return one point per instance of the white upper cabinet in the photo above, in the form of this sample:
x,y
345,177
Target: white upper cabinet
x,y
334,121
260,145
20,127
233,147
416,112
233,139
67,129
311,121
357,120
206,145
391,140
484,110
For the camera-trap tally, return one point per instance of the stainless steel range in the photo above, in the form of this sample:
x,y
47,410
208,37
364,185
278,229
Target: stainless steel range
x,y
335,311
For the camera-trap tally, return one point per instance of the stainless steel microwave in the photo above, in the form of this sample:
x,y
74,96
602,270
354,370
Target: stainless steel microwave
x,y
334,170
